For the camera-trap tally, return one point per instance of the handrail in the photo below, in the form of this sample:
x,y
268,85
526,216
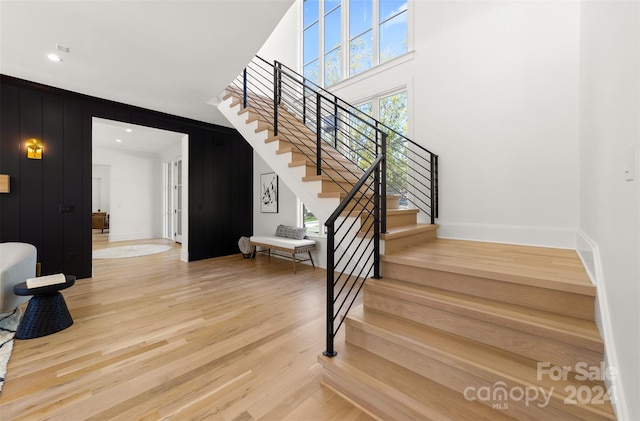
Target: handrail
x,y
375,158
330,224
343,205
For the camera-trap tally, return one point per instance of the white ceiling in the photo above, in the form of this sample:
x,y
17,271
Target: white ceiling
x,y
106,134
172,56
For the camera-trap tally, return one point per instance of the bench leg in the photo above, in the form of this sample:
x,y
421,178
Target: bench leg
x,y
293,256
311,258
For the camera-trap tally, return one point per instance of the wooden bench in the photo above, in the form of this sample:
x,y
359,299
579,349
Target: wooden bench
x,y
285,245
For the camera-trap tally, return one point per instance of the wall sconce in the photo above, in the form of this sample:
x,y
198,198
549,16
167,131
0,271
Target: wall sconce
x,y
4,183
34,149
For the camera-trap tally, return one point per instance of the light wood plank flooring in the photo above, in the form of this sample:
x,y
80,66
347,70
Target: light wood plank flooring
x,y
155,338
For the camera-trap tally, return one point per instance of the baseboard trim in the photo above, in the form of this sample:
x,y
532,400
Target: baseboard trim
x,y
589,253
563,238
134,236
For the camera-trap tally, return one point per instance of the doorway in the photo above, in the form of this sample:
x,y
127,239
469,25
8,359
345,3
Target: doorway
x,y
135,185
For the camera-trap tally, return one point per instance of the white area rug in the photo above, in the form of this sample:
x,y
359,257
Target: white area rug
x,y
129,251
8,325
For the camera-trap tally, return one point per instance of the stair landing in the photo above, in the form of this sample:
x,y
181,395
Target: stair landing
x,y
534,266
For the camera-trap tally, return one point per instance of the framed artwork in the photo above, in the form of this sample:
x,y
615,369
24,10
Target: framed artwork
x,y
269,193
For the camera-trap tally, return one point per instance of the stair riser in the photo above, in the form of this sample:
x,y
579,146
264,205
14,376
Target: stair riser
x,y
536,347
392,220
400,219
567,334
286,127
396,244
300,150
329,186
566,303
368,398
458,376
293,156
337,173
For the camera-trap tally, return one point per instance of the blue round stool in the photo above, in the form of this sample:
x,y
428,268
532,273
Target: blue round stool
x,y
46,312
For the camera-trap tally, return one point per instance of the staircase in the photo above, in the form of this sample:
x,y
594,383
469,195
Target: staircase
x,y
448,330
465,331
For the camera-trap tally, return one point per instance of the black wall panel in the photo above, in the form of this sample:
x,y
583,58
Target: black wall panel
x,y
50,200
10,161
30,218
53,184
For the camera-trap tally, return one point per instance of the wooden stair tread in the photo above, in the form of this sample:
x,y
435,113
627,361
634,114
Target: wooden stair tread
x,y
422,395
486,362
405,230
568,329
402,211
535,266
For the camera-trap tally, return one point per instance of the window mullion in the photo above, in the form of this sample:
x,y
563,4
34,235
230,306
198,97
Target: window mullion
x,y
375,20
321,42
345,37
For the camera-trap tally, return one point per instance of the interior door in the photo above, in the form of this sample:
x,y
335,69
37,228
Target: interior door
x,y
167,217
177,201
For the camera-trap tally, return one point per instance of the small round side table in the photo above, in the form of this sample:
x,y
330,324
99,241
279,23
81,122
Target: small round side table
x,y
46,312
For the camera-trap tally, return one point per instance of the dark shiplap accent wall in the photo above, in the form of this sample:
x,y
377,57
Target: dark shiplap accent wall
x,y
220,175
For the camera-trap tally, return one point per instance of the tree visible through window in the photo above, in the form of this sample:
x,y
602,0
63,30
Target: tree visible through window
x,y
391,110
310,221
393,113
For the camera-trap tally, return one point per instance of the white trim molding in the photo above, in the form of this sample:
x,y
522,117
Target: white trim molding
x,y
589,253
563,238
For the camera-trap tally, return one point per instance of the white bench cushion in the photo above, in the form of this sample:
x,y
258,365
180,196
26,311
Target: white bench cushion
x,y
281,241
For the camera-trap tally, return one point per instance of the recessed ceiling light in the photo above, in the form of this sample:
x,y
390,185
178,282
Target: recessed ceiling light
x,y
119,140
129,130
54,57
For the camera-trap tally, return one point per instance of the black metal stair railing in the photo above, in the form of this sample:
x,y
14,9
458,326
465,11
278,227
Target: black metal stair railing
x,y
412,170
362,156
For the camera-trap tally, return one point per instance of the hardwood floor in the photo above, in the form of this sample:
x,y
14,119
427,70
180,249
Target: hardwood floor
x,y
155,338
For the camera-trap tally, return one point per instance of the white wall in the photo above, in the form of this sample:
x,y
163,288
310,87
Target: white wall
x,y
283,43
609,205
493,90
135,193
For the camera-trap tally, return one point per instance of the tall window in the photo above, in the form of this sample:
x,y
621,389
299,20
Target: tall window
x,y
332,42
374,31
392,111
310,221
310,41
360,36
393,29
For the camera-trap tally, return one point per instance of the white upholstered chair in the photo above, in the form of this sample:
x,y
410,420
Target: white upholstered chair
x,y
17,264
